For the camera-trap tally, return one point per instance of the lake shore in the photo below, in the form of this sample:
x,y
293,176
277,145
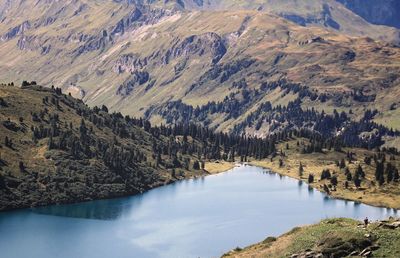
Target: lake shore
x,y
366,196
369,192
211,168
314,164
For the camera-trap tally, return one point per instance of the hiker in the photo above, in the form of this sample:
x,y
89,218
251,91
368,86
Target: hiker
x,y
366,222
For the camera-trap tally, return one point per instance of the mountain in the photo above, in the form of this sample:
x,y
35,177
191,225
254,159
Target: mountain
x,y
350,17
146,58
54,149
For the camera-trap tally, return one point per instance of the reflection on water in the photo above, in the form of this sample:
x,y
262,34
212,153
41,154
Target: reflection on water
x,y
102,209
310,190
201,217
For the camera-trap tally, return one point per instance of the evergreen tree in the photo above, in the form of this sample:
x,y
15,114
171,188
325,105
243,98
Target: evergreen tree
x,y
311,178
301,170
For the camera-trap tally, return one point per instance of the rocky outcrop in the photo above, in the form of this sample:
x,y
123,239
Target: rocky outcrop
x,y
92,43
129,63
16,31
207,44
223,72
137,79
127,21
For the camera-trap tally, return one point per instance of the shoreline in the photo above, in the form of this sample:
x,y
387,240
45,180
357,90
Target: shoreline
x,y
316,185
218,167
214,168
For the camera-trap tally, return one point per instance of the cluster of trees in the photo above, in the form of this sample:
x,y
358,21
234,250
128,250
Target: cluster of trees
x,y
180,146
332,127
231,107
385,171
336,127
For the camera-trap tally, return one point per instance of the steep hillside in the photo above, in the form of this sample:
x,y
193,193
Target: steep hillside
x,y
54,149
139,58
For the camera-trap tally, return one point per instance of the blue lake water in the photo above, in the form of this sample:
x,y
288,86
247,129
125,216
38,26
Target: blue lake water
x,y
202,217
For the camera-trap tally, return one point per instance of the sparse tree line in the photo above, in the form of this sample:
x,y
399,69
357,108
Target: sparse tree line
x,y
386,172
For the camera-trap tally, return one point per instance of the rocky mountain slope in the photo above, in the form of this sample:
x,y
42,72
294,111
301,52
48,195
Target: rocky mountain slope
x,y
139,57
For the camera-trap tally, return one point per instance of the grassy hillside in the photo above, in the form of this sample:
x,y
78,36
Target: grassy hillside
x,y
330,238
54,149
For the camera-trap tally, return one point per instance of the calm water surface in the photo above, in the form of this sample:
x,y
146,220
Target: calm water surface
x,y
194,218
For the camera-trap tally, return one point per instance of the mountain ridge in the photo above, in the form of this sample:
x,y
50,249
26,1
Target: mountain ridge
x,y
139,57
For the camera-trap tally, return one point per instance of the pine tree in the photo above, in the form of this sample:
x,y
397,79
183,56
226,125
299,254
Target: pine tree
x,y
334,181
311,178
301,170
196,165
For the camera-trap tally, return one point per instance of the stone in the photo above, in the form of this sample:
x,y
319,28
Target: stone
x,y
365,251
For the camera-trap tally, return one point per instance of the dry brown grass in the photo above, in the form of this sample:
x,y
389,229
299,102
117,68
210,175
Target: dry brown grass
x,y
382,196
218,166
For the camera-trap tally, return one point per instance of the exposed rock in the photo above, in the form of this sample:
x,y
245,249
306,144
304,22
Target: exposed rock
x,y
93,43
199,45
75,91
137,79
129,63
223,72
389,225
16,31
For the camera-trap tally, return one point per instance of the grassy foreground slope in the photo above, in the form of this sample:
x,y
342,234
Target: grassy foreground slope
x,y
330,238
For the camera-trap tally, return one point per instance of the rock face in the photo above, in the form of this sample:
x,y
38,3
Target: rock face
x,y
137,79
16,31
129,63
205,46
199,45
